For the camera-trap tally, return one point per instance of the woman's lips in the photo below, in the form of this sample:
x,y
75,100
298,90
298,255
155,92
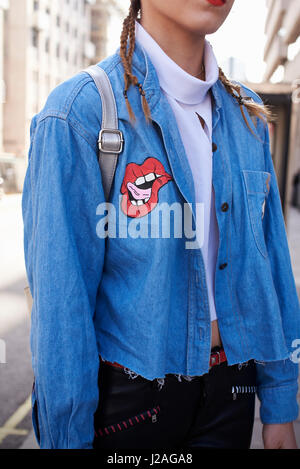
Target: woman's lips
x,y
141,185
217,3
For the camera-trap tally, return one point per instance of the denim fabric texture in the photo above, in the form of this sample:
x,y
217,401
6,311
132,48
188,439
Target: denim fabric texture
x,y
142,301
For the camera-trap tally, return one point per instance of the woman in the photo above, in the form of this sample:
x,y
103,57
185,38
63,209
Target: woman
x,y
188,301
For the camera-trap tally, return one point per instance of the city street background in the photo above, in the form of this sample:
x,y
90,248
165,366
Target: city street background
x,y
44,42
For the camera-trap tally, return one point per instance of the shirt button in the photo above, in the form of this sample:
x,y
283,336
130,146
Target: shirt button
x,y
225,207
214,147
223,266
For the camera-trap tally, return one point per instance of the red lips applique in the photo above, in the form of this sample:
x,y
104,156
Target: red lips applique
x,y
140,187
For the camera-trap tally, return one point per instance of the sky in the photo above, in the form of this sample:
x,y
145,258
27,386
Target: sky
x,y
241,36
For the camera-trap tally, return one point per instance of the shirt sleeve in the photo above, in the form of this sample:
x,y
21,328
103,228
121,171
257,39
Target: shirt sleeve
x,y
277,381
64,263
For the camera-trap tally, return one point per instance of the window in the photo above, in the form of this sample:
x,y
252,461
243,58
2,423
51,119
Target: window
x,y
47,45
34,37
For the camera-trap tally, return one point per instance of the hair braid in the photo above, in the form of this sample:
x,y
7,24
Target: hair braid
x,y
126,54
261,111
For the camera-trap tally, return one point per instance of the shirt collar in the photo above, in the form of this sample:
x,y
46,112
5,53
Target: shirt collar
x,y
143,68
192,90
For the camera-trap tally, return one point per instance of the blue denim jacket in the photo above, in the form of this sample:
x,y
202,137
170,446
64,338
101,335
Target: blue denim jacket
x,y
142,300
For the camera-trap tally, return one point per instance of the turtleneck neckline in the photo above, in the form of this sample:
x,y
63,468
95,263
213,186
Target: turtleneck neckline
x,y
176,82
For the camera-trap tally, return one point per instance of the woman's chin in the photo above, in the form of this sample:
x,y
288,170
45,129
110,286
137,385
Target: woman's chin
x,y
200,29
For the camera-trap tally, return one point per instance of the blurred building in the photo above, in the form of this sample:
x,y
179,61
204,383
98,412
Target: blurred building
x,y
5,159
281,90
3,7
282,31
46,42
104,13
100,20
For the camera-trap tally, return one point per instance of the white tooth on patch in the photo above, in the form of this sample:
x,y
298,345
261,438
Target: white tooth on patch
x,y
140,202
140,181
146,200
150,177
133,202
158,175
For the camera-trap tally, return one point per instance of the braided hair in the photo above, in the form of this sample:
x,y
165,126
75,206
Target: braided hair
x,y
126,56
258,110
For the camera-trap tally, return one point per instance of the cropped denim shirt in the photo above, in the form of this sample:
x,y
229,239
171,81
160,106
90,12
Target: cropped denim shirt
x,y
135,292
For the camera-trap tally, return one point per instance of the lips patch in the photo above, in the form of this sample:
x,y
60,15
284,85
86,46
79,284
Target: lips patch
x,y
141,185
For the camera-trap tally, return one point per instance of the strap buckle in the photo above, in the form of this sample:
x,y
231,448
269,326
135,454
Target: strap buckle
x,y
111,145
215,359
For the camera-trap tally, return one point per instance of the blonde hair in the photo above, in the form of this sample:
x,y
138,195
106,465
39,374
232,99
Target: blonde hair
x,y
260,111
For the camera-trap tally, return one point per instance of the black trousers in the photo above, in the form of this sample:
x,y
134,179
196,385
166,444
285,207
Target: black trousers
x,y
215,410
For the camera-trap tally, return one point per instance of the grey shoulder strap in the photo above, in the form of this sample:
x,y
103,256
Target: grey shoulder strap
x,y
110,137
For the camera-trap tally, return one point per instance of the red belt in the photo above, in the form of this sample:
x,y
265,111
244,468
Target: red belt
x,y
113,364
216,358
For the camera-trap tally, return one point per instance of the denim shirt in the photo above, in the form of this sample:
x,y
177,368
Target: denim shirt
x,y
137,295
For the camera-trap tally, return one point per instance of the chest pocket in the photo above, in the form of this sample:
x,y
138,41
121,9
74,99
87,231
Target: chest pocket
x,y
257,185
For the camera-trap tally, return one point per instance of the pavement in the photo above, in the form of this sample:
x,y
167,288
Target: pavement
x,y
14,329
15,373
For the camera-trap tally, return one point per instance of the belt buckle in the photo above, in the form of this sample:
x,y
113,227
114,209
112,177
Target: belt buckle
x,y
215,359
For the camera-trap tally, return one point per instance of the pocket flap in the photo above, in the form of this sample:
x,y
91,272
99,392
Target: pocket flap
x,y
257,181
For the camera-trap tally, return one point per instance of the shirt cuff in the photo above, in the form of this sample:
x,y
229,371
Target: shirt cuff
x,y
278,403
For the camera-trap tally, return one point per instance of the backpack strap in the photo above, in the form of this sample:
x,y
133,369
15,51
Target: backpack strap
x,y
110,137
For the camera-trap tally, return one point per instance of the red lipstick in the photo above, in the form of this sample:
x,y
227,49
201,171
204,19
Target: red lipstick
x,y
217,3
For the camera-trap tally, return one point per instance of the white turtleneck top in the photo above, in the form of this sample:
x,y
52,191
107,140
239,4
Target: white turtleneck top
x,y
187,96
